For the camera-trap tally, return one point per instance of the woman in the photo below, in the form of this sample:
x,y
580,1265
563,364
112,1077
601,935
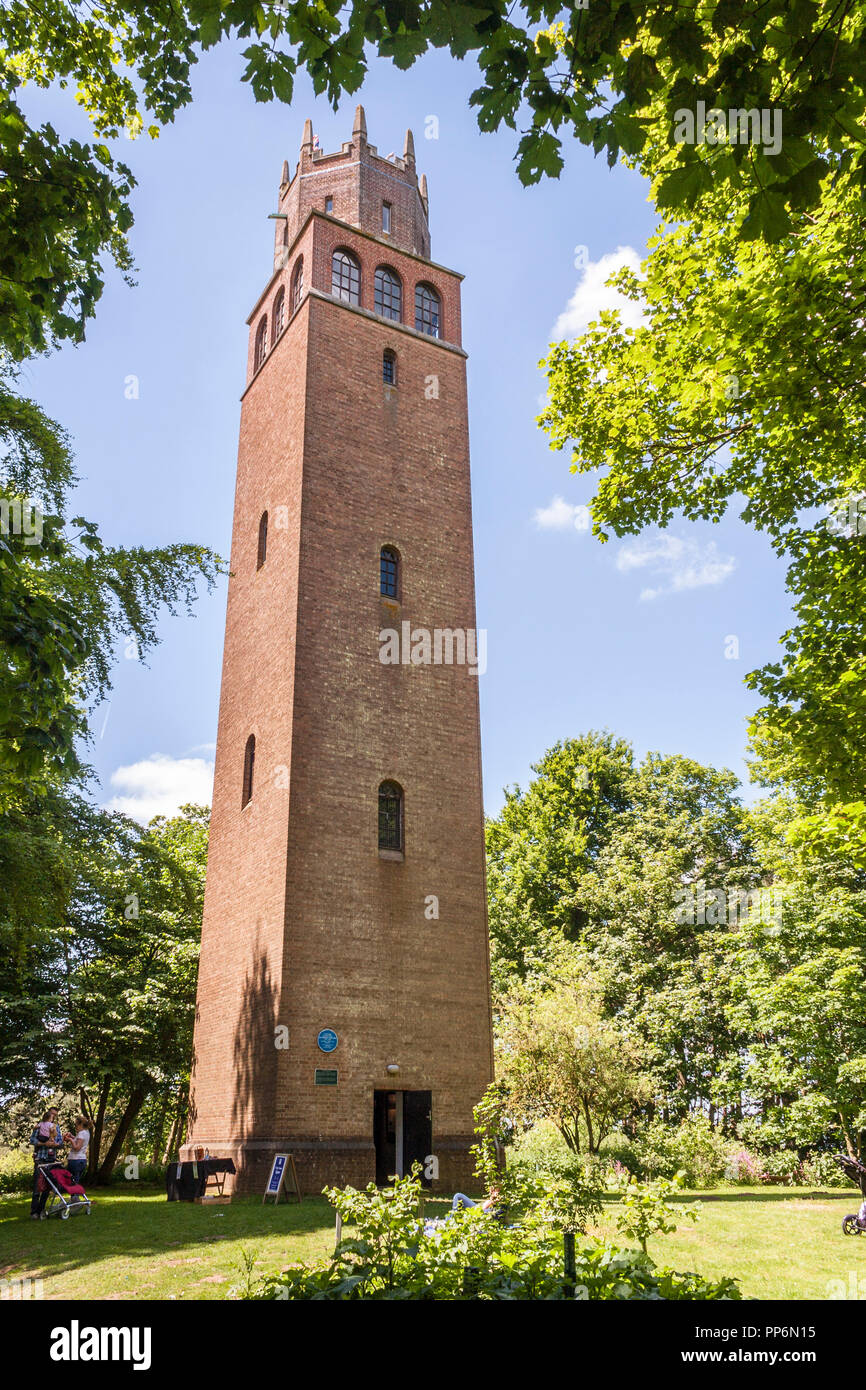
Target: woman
x,y
78,1144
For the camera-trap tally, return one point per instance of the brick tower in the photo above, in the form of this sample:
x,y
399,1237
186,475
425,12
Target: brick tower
x,y
343,998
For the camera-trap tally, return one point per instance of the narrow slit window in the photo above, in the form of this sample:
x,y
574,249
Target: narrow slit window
x,y
389,367
386,218
261,351
389,572
249,767
263,541
390,816
279,316
297,283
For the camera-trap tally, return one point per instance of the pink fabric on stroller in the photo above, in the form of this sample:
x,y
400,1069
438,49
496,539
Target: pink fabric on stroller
x,y
64,1180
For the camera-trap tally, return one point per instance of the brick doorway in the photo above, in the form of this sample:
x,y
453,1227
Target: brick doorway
x,y
402,1132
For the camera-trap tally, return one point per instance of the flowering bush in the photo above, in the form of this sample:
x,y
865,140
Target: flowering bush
x,y
744,1167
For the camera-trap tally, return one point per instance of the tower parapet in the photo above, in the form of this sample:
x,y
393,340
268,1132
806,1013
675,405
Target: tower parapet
x,y
378,194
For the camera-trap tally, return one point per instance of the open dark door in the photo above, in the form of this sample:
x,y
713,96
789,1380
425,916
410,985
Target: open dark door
x,y
417,1129
385,1135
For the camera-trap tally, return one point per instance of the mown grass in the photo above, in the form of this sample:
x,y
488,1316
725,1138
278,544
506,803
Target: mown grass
x,y
780,1243
139,1246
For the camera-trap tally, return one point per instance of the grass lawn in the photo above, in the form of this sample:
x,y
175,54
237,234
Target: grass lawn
x,y
778,1242
141,1246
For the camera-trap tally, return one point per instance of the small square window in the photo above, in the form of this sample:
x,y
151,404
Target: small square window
x,y
329,205
386,217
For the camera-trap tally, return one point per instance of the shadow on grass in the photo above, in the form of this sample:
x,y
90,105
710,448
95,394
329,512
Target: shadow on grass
x,y
144,1224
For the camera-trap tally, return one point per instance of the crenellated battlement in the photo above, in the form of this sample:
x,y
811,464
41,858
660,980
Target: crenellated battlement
x,y
379,194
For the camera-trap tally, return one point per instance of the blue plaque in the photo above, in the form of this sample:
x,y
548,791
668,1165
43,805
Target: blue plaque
x,y
327,1040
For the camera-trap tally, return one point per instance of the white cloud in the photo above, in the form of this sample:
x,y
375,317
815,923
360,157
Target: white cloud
x,y
592,295
560,515
681,564
159,785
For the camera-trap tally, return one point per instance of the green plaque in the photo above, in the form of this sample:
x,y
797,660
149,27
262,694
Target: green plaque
x,y
326,1076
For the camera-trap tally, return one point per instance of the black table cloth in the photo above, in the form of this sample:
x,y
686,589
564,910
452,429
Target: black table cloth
x,y
186,1181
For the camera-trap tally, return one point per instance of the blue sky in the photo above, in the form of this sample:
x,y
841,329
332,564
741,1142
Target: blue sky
x,y
629,636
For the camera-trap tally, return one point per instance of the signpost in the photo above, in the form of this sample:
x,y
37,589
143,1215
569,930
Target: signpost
x,y
282,1170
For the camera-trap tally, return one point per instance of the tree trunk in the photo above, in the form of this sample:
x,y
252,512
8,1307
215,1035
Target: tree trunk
x,y
136,1100
176,1131
160,1131
589,1138
98,1126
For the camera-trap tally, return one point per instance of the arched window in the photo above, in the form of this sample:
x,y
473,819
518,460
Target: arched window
x,y
389,367
261,344
390,816
388,294
263,541
389,572
249,765
297,283
345,277
428,318
278,320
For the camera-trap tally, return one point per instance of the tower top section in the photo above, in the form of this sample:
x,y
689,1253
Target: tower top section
x,y
377,194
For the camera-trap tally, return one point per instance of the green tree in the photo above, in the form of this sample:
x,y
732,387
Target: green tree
x,y
131,963
646,1211
562,1060
616,75
797,971
595,860
743,387
541,847
98,995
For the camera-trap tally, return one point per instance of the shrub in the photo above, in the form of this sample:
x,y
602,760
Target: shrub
x,y
692,1148
646,1210
394,1255
16,1171
574,1183
783,1167
147,1173
822,1170
620,1155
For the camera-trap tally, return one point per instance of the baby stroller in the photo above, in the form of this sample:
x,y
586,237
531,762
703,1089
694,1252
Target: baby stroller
x,y
854,1225
65,1194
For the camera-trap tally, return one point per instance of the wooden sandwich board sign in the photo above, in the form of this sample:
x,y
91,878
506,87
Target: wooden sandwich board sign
x,y
283,1171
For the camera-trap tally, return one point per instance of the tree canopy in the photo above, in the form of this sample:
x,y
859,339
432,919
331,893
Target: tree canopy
x,y
730,966
614,74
